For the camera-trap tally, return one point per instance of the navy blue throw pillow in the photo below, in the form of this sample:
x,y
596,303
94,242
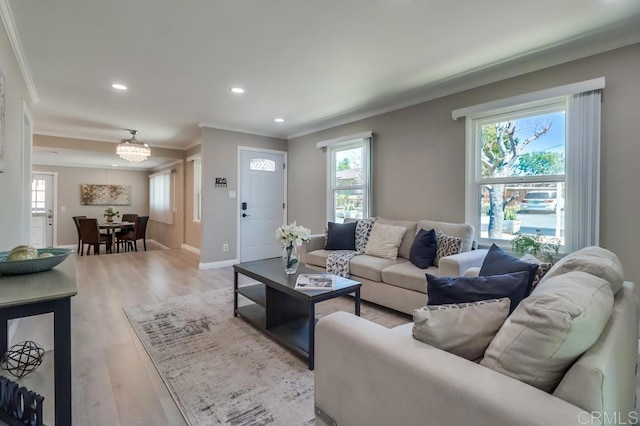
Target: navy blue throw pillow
x,y
341,236
446,290
423,249
500,262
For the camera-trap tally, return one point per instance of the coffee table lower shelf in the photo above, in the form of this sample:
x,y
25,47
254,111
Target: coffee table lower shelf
x,y
293,335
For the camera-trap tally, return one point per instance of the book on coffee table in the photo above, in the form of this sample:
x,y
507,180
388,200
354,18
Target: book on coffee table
x,y
315,282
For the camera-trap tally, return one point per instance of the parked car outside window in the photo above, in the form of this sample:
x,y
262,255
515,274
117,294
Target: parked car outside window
x,y
545,201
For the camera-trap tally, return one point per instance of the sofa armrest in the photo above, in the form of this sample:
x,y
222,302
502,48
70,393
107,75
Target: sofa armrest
x,y
456,264
316,242
366,374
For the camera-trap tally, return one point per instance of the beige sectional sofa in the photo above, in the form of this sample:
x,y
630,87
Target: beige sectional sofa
x,y
367,374
398,284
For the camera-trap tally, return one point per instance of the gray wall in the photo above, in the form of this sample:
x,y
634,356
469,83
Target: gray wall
x,y
69,181
219,212
419,160
16,208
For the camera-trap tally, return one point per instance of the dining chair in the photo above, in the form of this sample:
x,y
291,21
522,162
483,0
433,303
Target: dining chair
x,y
76,220
139,233
90,235
127,217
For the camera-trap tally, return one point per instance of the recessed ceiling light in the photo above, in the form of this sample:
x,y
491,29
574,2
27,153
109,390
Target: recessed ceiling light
x,y
119,86
237,90
279,120
114,165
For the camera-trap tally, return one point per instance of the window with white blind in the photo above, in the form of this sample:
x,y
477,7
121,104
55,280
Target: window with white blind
x,y
533,166
160,197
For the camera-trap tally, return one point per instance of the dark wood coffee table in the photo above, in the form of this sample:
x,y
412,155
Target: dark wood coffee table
x,y
279,310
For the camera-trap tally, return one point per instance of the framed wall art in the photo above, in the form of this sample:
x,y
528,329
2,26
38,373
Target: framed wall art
x,y
105,195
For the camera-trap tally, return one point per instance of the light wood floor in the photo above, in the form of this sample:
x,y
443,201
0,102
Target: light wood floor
x,y
114,381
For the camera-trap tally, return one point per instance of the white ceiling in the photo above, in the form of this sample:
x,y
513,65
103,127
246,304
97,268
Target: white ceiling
x,y
314,63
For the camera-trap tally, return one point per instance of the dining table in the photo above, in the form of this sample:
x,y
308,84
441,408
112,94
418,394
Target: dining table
x,y
111,229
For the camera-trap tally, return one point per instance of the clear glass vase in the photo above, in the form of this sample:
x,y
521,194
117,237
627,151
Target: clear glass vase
x,y
290,259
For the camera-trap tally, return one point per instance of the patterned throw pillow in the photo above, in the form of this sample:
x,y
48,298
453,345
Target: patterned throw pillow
x,y
543,268
464,329
447,245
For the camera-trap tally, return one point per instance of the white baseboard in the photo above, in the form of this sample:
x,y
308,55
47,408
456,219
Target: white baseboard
x,y
159,244
221,264
69,246
190,249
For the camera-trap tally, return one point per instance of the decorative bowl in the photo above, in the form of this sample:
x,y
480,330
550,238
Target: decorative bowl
x,y
29,266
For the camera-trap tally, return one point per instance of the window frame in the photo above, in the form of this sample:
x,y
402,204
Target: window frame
x,y
332,186
473,167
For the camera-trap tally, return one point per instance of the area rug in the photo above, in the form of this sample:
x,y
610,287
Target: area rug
x,y
221,370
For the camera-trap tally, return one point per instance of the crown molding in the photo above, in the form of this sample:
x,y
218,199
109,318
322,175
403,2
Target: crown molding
x,y
14,39
239,130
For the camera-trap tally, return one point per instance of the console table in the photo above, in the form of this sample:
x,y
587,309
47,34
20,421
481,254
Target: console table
x,y
42,293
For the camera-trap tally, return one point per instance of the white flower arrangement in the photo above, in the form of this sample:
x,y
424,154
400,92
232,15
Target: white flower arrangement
x,y
291,234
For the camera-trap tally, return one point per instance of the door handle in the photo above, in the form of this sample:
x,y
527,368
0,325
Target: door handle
x,y
245,215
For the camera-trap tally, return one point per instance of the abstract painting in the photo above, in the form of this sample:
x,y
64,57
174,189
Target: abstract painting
x,y
105,195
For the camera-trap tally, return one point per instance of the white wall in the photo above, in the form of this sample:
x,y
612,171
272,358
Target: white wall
x,y
14,207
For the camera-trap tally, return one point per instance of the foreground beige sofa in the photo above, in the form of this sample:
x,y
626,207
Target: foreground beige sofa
x,y
398,284
367,374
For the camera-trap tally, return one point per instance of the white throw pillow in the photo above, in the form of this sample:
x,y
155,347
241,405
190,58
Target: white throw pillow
x,y
385,240
550,329
464,329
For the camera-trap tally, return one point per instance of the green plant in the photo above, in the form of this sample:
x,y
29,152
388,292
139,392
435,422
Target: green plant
x,y
536,244
510,214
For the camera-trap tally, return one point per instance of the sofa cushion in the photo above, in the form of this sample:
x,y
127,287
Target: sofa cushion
x,y
463,329
446,290
318,258
409,235
550,329
385,240
407,275
341,236
499,262
446,245
370,267
423,250
593,260
462,230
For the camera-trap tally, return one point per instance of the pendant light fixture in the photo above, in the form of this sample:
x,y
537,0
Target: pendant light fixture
x,y
133,150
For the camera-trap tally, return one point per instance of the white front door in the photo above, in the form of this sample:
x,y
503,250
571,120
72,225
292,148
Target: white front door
x,y
42,210
262,203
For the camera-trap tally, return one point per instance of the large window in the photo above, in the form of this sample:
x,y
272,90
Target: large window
x,y
520,172
534,167
349,180
160,201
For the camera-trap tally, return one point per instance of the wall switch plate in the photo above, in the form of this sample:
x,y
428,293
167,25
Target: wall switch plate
x,y
232,194
225,247
63,209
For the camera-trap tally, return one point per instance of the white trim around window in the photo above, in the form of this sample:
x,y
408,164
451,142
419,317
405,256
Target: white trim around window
x,y
197,187
357,191
582,168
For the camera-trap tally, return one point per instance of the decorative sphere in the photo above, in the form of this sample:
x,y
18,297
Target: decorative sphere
x,y
22,358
